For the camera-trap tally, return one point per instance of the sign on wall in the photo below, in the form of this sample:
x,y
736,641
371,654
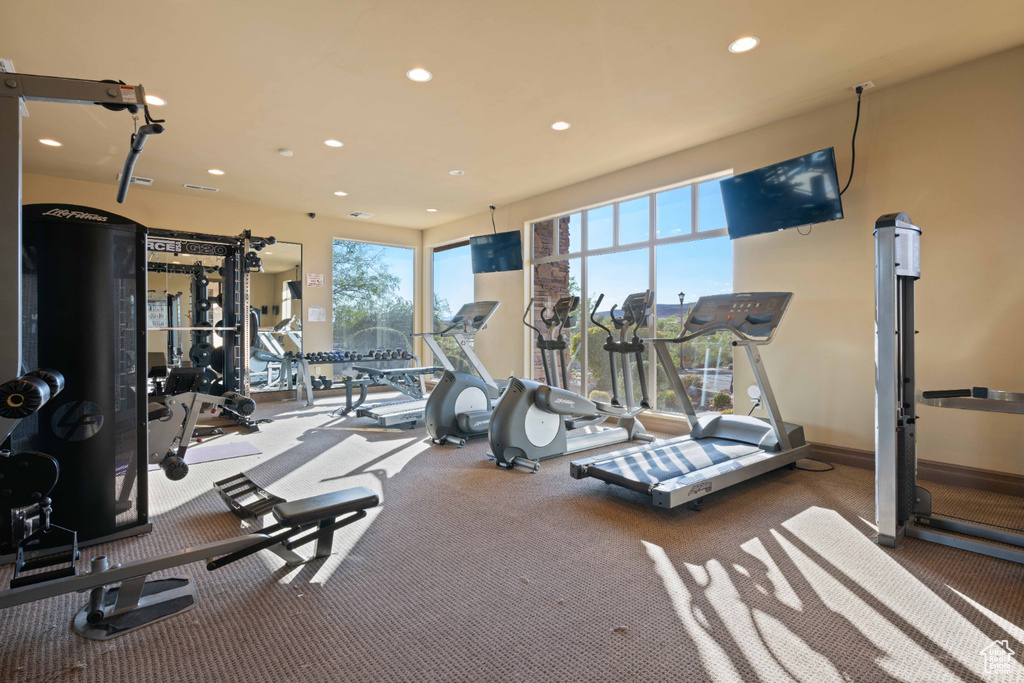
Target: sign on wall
x,y
316,314
315,280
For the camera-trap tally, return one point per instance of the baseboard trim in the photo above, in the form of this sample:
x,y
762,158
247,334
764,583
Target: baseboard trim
x,y
928,470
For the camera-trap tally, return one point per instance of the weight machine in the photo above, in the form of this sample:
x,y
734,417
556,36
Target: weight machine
x,y
902,508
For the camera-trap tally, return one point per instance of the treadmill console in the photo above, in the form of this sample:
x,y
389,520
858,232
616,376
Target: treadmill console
x,y
754,315
473,317
636,306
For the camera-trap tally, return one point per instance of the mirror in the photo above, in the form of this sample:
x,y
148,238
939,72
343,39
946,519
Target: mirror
x,y
183,291
275,300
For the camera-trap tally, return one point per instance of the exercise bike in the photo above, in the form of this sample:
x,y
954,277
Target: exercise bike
x,y
532,421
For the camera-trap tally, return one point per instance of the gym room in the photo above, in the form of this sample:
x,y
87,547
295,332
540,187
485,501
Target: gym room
x,y
462,341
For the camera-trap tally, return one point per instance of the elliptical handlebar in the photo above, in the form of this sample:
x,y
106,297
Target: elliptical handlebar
x,y
593,312
529,307
647,307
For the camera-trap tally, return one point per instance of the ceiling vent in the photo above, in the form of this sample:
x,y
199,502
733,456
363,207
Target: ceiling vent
x,y
200,187
360,214
138,180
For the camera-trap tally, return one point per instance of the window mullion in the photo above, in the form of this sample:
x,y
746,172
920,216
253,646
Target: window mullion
x,y
652,269
694,209
615,224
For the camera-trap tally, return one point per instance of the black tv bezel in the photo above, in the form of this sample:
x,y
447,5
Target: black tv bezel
x,y
473,246
835,172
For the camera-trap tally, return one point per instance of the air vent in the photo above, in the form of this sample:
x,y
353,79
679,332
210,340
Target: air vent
x,y
200,187
138,180
360,214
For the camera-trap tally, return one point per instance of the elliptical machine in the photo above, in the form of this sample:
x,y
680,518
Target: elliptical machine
x,y
461,404
531,422
555,342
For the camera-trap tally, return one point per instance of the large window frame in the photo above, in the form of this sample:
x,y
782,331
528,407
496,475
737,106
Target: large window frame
x,y
651,244
416,270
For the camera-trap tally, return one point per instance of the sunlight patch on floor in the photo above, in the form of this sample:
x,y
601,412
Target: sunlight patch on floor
x,y
396,462
819,571
715,659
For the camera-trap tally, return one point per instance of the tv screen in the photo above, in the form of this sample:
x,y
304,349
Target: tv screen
x,y
493,253
794,192
295,287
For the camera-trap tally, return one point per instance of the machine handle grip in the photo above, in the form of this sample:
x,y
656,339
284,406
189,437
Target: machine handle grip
x,y
138,140
593,312
947,393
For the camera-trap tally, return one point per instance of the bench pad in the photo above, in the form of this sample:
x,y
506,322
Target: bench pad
x,y
325,506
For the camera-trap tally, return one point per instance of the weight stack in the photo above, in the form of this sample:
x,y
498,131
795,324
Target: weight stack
x,y
84,298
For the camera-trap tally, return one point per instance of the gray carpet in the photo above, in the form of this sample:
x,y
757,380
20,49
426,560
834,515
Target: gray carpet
x,y
470,573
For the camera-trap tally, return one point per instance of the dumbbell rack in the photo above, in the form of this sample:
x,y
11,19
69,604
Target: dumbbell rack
x,y
408,380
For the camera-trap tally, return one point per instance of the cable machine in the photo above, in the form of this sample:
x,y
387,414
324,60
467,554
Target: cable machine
x,y
902,508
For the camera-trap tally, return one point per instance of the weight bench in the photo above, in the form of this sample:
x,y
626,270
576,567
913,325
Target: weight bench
x,y
136,601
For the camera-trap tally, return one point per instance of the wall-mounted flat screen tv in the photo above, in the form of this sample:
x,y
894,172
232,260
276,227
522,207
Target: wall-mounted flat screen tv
x,y
790,193
497,252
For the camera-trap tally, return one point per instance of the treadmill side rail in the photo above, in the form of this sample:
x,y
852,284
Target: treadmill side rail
x,y
688,488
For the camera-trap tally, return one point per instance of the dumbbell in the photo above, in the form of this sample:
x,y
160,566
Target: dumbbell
x,y
326,382
315,383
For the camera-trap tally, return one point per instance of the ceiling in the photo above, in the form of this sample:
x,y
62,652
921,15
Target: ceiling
x,y
637,80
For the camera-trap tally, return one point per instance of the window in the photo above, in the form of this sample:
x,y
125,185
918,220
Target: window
x,y
453,286
670,241
373,294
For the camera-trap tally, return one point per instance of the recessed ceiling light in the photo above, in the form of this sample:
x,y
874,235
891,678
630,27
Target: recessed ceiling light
x,y
561,125
155,101
745,44
175,261
432,210
285,152
267,252
341,194
51,143
214,171
456,172
419,75
334,143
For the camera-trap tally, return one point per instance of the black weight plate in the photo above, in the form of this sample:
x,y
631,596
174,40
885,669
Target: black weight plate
x,y
201,355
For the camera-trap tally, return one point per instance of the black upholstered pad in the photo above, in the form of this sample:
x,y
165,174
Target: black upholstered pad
x,y
326,506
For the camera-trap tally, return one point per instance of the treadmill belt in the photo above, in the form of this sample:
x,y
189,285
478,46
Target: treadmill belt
x,y
654,463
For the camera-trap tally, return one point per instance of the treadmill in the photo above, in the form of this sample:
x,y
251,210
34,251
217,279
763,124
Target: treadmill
x,y
464,325
720,450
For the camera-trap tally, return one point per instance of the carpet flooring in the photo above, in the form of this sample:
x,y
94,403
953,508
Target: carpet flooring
x,y
466,572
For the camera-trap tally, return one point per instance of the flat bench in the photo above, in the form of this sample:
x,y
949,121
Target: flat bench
x,y
323,511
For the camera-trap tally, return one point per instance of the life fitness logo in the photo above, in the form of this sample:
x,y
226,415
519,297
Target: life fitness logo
x,y
564,401
77,215
77,420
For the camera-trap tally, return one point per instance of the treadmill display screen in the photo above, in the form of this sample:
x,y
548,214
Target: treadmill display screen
x,y
475,315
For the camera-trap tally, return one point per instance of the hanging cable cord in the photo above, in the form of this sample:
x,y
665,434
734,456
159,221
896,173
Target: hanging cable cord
x,y
828,466
853,143
493,226
853,154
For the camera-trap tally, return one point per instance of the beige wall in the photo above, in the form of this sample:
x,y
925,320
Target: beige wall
x,y
949,150
224,217
946,148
